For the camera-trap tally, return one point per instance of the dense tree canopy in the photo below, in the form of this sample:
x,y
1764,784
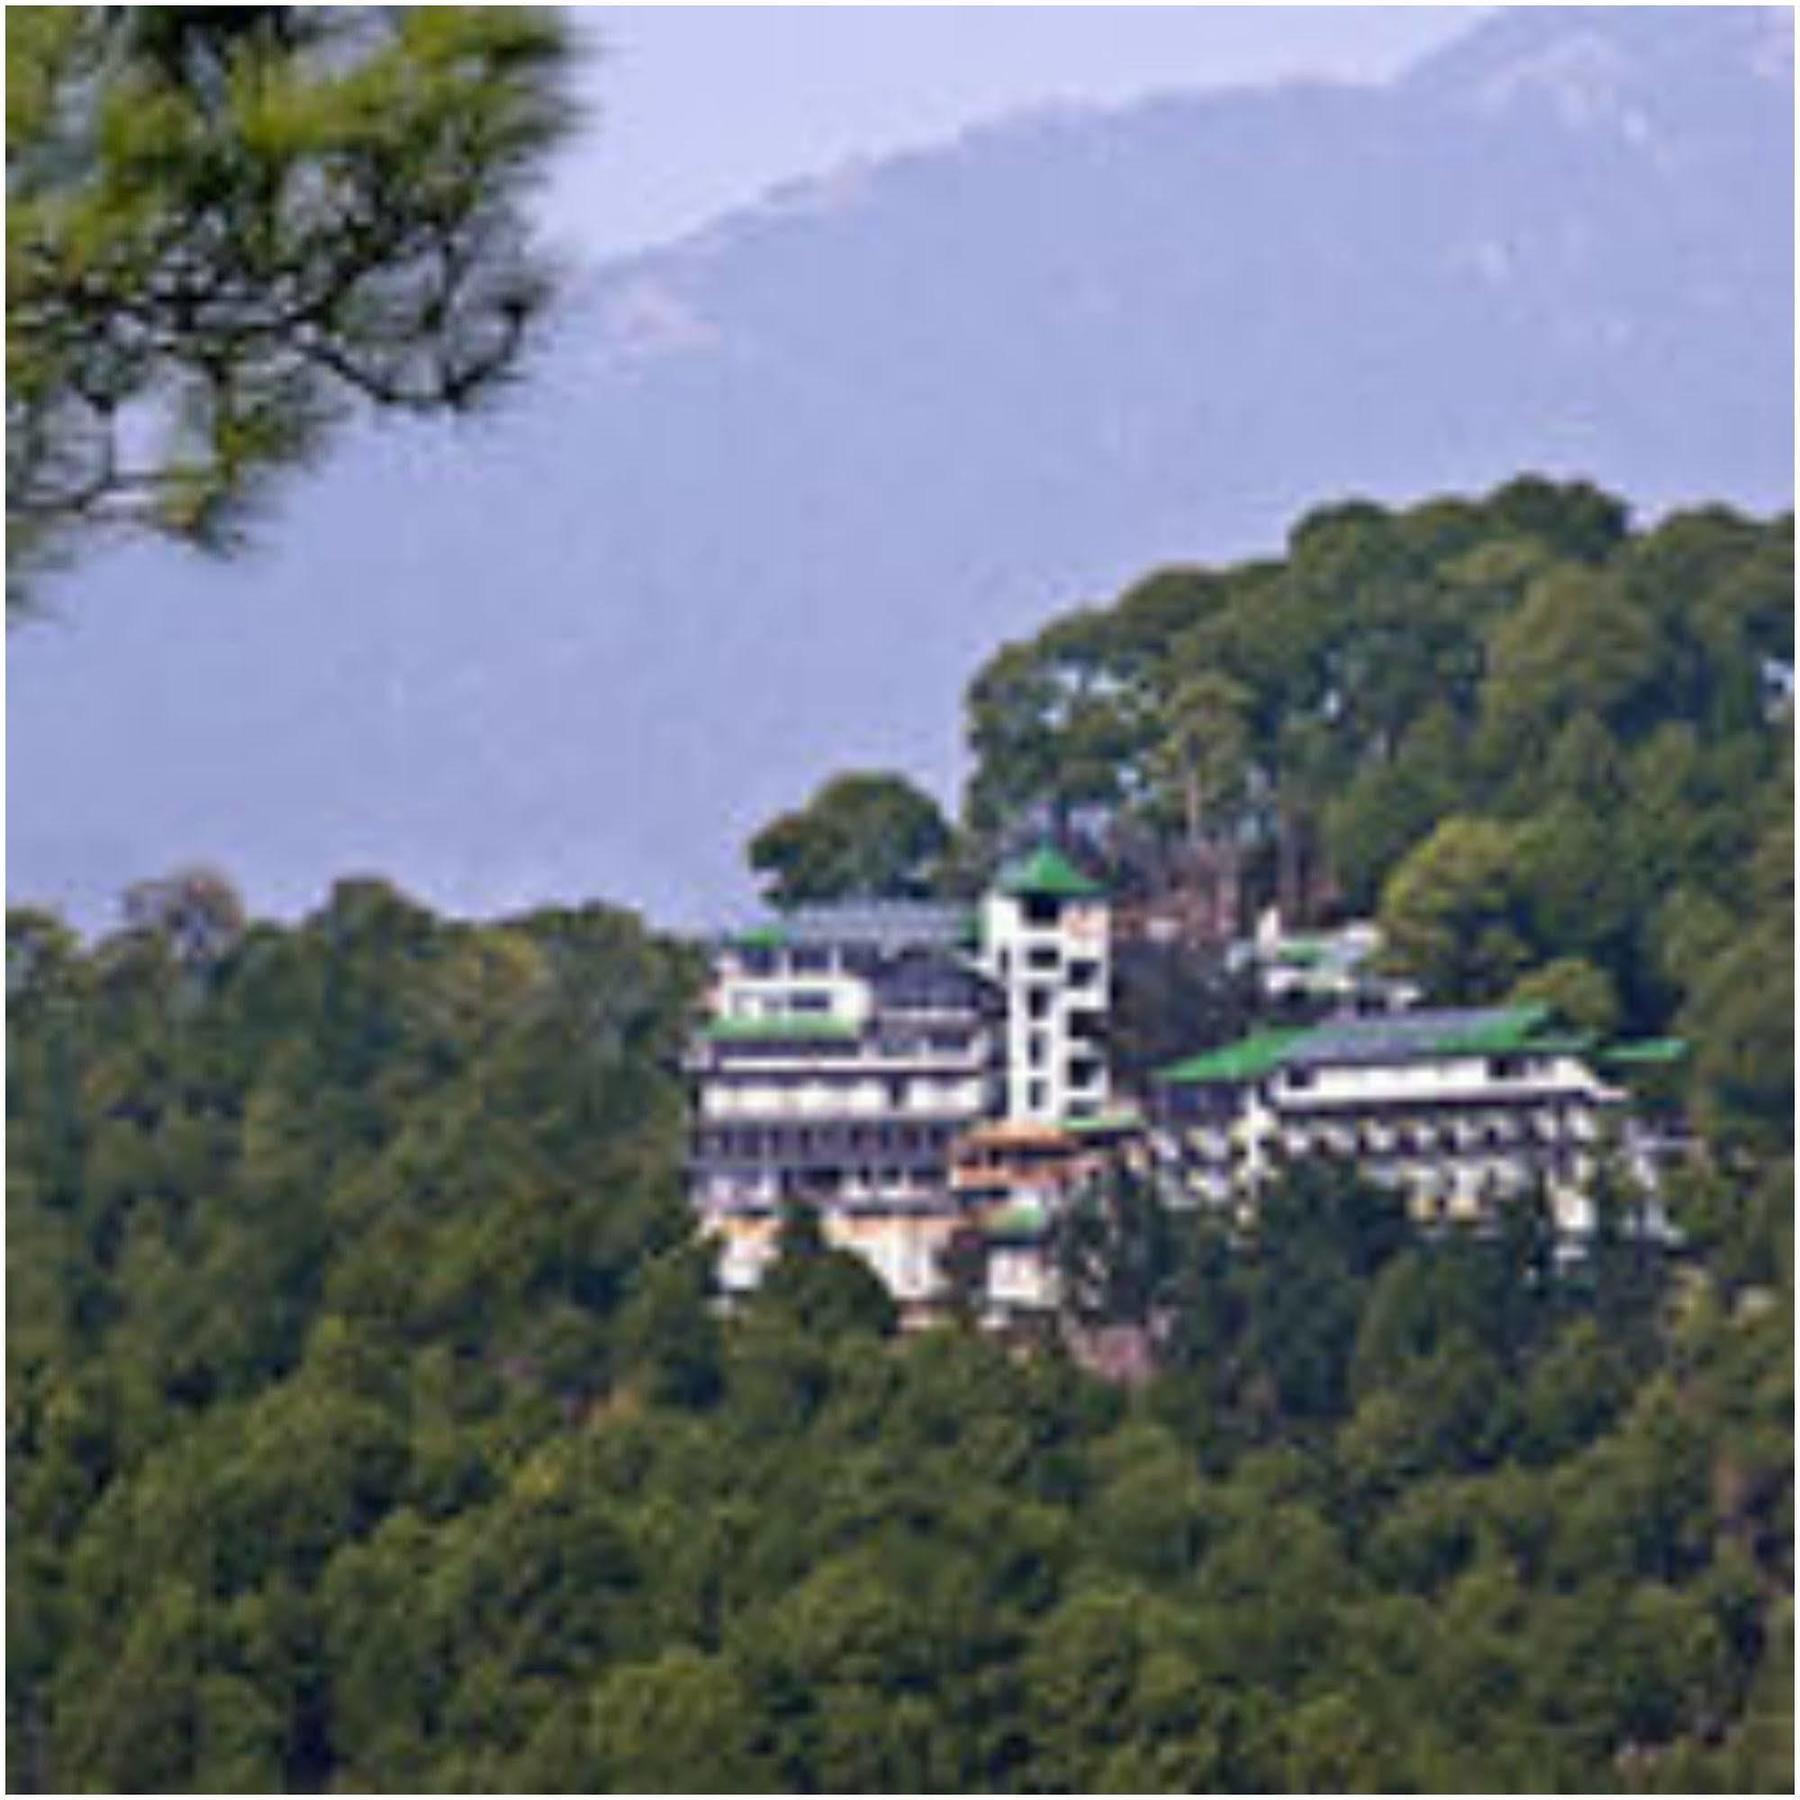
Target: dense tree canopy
x,y
228,226
861,836
372,1424
1527,735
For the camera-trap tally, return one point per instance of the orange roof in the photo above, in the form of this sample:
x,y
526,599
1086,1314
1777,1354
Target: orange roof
x,y
1007,1133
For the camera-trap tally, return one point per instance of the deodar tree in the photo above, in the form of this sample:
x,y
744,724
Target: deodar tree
x,y
862,835
230,228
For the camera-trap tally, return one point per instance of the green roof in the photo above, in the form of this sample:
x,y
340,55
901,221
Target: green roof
x,y
1647,1052
1018,1219
1502,1028
1048,872
1245,1060
804,1027
1487,1031
1122,1119
1568,1043
1302,953
763,937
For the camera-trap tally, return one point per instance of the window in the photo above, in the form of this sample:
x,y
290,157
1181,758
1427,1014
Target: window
x,y
810,1000
1041,909
1085,1024
1044,959
1035,1049
1034,1095
1084,971
1037,1003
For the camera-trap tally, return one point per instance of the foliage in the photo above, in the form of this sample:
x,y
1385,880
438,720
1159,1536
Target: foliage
x,y
1165,999
373,1424
1541,744
868,836
228,227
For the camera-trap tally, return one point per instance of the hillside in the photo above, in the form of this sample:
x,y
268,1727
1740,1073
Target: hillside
x,y
775,489
371,1426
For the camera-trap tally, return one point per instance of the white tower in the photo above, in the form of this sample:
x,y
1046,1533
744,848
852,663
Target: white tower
x,y
1044,935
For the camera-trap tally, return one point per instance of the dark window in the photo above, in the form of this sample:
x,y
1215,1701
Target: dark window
x,y
1041,909
1085,1024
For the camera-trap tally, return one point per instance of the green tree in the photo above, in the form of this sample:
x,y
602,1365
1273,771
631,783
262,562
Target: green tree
x,y
1576,991
197,910
228,228
1455,912
666,1333
872,836
683,1724
1115,1248
823,1290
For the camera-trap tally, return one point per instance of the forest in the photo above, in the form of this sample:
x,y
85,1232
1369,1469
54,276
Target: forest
x,y
372,1426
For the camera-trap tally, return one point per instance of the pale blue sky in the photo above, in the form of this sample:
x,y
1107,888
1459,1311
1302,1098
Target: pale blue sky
x,y
695,110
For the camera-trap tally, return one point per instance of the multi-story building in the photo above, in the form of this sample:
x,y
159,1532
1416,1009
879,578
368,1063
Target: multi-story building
x,y
848,1048
1306,973
1012,1178
1045,942
1459,1108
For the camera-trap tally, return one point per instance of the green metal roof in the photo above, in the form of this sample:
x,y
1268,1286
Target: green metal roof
x,y
1048,872
1245,1060
1122,1119
1302,953
1647,1052
762,937
1568,1043
1407,1036
1501,1028
800,1027
1018,1220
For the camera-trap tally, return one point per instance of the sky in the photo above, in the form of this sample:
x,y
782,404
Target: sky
x,y
694,110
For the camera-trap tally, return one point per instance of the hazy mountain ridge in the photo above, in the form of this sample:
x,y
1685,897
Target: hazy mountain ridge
x,y
777,489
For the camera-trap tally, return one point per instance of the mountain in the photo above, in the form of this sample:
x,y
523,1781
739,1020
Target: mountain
x,y
775,490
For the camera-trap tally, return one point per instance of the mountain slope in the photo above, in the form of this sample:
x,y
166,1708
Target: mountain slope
x,y
777,489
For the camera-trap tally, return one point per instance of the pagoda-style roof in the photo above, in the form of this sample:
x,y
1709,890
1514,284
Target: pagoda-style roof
x,y
1047,872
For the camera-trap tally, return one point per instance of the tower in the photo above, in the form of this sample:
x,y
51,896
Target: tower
x,y
1045,929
